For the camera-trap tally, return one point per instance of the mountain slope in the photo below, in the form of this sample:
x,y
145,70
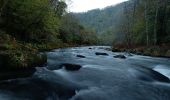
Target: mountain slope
x,y
103,21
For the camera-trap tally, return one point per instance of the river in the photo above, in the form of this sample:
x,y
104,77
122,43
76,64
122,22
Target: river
x,y
101,77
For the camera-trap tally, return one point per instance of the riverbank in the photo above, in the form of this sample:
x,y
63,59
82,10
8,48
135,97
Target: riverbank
x,y
155,51
19,59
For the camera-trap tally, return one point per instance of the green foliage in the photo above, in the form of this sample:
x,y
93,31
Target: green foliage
x,y
31,20
74,33
40,21
105,22
126,22
7,42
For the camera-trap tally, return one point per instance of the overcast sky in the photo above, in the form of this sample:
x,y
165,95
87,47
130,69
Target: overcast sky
x,y
85,5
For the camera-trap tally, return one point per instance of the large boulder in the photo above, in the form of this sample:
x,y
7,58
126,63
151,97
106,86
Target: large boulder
x,y
150,75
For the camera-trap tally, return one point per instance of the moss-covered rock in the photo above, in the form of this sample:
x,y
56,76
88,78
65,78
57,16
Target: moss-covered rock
x,y
17,64
21,59
37,59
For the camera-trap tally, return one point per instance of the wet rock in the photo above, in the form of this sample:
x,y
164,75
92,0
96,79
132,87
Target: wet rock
x,y
115,50
16,73
120,56
20,64
10,60
81,56
90,48
147,74
139,53
108,49
101,53
71,67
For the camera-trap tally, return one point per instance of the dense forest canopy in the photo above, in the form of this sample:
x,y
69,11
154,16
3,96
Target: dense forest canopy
x,y
135,22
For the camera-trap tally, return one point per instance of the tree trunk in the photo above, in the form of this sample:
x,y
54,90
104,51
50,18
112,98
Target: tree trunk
x,y
4,3
161,22
133,19
165,18
127,26
146,24
156,22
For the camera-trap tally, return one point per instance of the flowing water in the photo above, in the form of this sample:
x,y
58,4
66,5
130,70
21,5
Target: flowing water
x,y
102,77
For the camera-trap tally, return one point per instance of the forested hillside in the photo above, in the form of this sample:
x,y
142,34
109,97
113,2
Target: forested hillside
x,y
104,22
30,26
135,22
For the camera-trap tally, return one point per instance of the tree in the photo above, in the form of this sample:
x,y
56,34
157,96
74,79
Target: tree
x,y
59,7
31,19
162,20
71,31
146,23
134,22
156,22
127,24
2,6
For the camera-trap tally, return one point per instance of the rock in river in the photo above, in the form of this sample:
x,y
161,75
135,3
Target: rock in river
x,y
101,53
81,56
120,56
71,67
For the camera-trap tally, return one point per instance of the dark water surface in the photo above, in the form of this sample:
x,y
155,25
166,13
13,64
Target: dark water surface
x,y
101,77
